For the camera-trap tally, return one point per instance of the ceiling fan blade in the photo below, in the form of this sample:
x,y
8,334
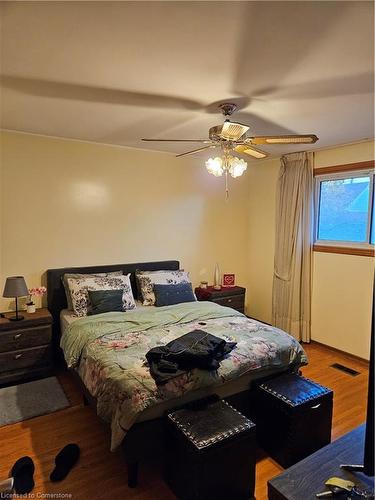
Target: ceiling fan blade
x,y
232,131
250,150
205,141
284,139
196,150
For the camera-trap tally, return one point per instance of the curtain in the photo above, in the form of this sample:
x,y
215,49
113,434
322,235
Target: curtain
x,y
292,279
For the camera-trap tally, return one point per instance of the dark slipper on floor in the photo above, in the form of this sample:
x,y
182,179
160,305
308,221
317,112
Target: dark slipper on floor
x,y
65,461
22,472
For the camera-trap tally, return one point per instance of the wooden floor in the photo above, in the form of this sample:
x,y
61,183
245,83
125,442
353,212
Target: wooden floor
x,y
101,474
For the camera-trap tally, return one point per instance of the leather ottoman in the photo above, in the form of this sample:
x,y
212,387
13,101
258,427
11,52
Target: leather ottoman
x,y
293,416
210,452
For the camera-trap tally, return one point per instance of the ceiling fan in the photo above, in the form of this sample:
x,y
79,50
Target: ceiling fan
x,y
231,136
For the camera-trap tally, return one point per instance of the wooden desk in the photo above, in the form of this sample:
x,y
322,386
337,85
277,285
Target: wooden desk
x,y
306,478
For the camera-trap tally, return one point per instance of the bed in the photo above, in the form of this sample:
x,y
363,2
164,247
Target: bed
x,y
107,356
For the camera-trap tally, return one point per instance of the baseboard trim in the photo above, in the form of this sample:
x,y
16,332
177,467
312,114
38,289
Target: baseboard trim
x,y
347,354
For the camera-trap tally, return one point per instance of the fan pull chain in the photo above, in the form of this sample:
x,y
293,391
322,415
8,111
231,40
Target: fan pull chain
x,y
226,186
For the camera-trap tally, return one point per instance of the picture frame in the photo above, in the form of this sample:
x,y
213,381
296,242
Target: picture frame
x,y
229,280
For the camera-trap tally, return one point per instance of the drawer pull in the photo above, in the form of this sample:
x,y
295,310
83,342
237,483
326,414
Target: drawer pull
x,y
316,406
229,301
18,356
17,336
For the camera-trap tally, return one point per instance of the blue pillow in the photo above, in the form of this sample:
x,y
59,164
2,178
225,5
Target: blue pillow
x,y
102,301
167,295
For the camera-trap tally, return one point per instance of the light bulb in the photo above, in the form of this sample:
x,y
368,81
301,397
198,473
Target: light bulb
x,y
237,167
215,166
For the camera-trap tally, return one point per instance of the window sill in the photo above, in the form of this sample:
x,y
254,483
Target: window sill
x,y
347,250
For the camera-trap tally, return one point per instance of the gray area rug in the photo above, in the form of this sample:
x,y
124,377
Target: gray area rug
x,y
24,401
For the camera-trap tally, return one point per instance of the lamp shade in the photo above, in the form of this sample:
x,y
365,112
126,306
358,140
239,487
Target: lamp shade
x,y
15,286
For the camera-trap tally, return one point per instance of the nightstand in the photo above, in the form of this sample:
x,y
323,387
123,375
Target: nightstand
x,y
233,296
25,347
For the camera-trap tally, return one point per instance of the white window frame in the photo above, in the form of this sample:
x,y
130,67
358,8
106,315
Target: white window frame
x,y
337,176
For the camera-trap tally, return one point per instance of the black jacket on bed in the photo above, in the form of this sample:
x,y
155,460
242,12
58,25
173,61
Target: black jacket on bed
x,y
196,349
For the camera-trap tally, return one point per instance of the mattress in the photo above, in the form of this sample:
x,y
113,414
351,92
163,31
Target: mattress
x,y
67,317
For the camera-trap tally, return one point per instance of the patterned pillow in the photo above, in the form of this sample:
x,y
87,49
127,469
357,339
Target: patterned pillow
x,y
147,279
79,288
65,277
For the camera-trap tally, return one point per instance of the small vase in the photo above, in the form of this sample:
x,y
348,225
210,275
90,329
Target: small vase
x,y
217,280
30,308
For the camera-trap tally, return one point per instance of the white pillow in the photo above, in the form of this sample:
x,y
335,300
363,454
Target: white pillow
x,y
79,288
147,279
80,275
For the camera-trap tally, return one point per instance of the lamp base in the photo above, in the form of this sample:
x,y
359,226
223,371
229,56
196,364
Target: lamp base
x,y
16,318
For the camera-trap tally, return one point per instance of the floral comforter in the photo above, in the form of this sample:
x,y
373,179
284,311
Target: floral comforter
x,y
109,352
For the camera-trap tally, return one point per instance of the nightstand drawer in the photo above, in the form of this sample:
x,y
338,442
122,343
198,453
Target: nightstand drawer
x,y
235,301
27,337
25,358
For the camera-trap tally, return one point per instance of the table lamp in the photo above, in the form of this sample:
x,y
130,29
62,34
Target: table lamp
x,y
15,287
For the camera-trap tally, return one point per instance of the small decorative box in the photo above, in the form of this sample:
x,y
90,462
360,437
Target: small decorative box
x,y
229,280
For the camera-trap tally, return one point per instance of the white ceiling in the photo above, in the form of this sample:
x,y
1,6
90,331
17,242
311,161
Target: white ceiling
x,y
115,72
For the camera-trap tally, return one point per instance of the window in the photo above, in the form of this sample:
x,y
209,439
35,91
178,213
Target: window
x,y
344,210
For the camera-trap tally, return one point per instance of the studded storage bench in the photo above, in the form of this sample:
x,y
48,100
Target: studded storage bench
x,y
293,416
210,452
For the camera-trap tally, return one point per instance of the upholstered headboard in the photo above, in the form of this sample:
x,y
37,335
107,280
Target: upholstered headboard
x,y
56,299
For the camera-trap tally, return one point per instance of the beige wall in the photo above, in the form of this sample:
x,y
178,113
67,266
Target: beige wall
x,y
342,284
342,302
262,191
69,203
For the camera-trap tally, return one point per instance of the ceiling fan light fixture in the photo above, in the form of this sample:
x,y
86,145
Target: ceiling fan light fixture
x,y
227,164
215,166
232,131
237,167
232,137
